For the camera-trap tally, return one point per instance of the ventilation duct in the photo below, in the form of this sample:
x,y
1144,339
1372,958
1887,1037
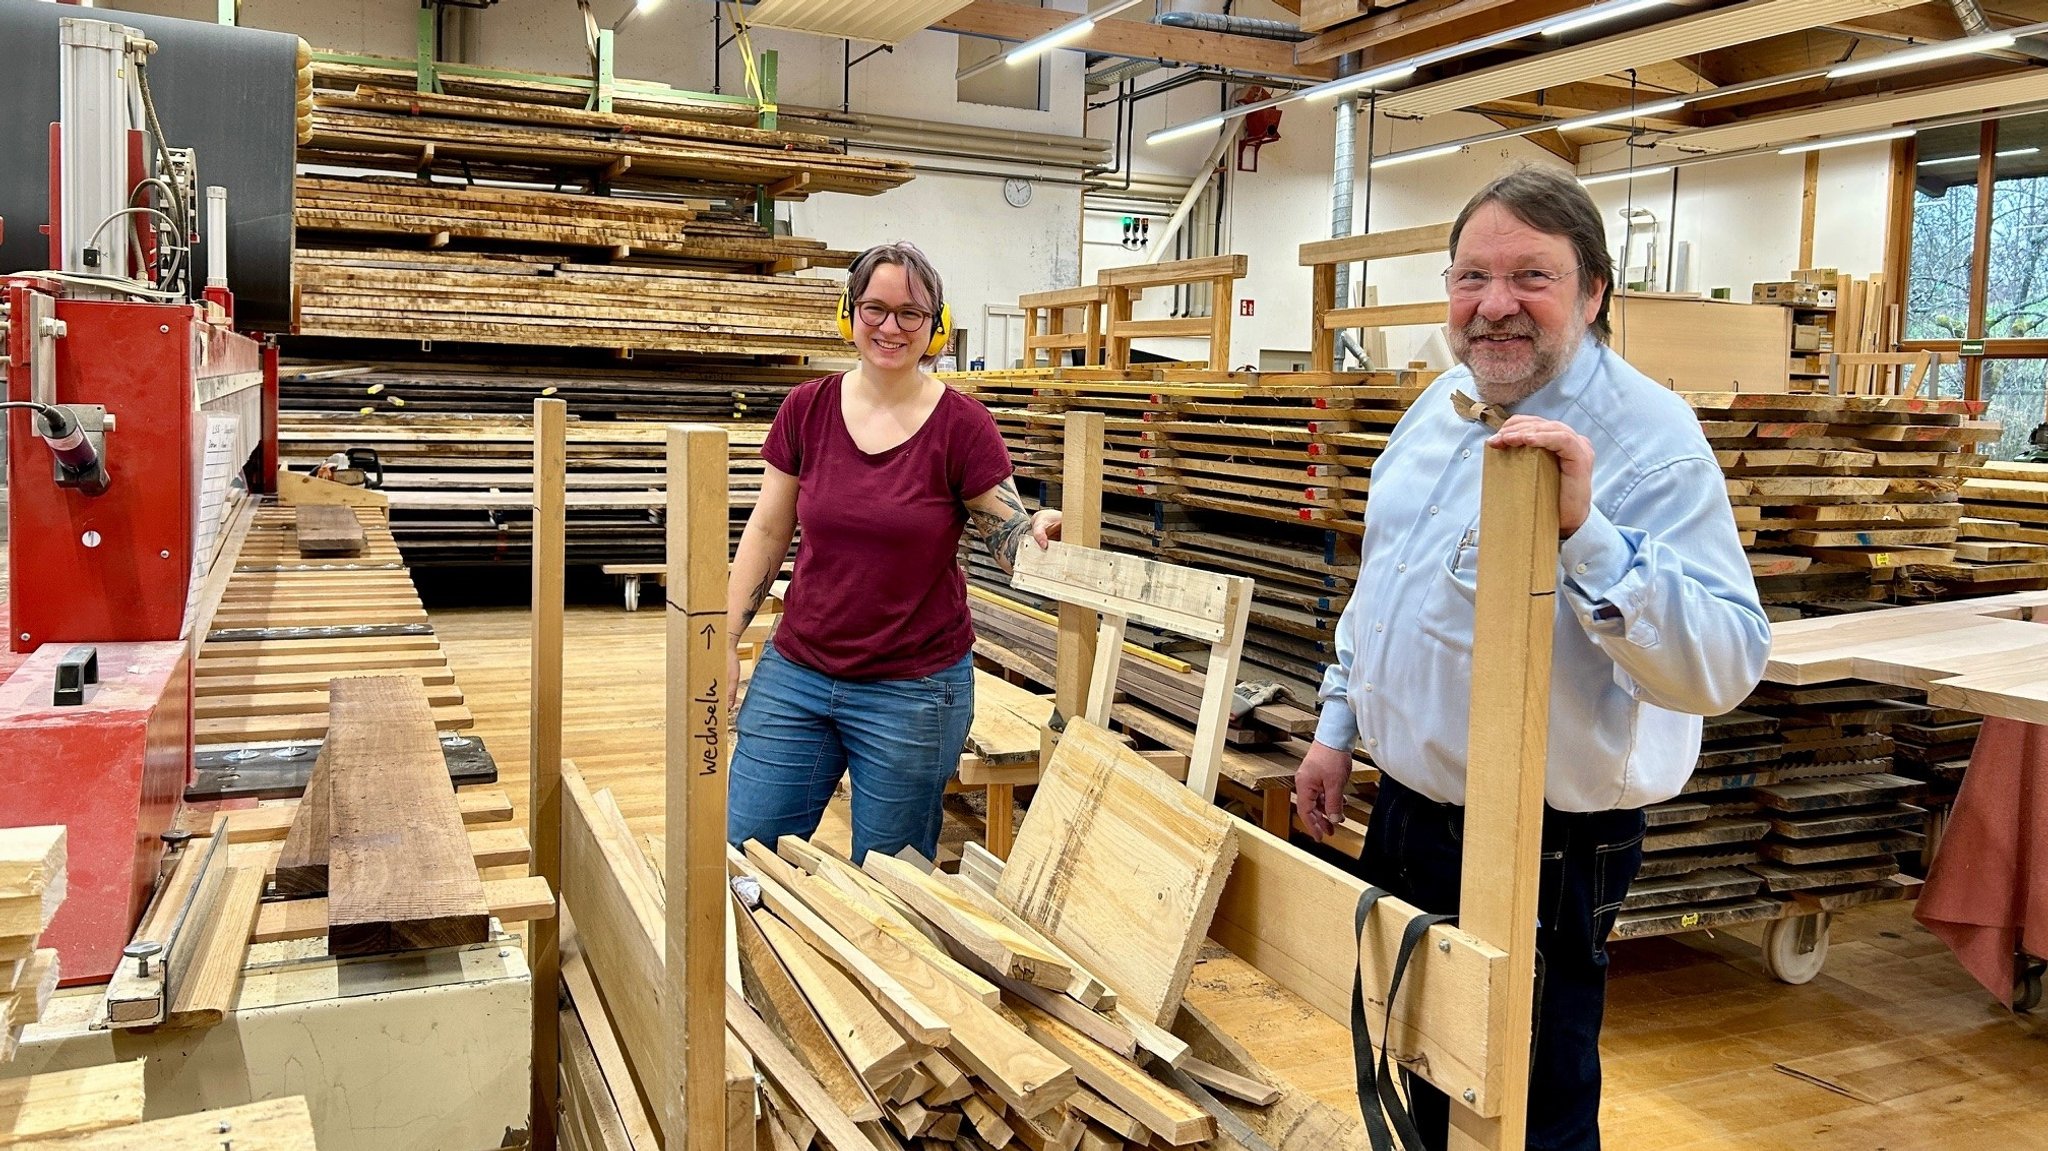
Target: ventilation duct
x,y
1235,26
1971,15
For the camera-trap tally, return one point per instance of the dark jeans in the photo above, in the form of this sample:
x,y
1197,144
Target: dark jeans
x,y
1414,847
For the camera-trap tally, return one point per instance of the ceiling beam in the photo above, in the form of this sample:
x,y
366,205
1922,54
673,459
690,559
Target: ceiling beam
x,y
1551,142
1925,22
1017,23
1424,25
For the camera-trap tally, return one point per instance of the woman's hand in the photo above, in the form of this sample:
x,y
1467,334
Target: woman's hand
x,y
1045,527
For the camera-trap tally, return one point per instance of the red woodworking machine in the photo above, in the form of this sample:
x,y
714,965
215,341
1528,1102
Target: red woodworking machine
x,y
132,409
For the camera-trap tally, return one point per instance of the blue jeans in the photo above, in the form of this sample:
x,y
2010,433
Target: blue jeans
x,y
800,730
1414,847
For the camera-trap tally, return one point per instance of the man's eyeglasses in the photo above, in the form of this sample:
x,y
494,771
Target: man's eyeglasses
x,y
1526,284
908,319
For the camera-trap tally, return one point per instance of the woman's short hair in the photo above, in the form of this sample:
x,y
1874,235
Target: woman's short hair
x,y
926,290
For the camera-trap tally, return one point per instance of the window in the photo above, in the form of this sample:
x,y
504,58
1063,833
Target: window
x,y
1976,266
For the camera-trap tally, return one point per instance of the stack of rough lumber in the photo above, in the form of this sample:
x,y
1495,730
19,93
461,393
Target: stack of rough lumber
x,y
692,390
1841,492
101,1108
521,141
438,214
31,888
936,1010
2002,542
488,298
461,488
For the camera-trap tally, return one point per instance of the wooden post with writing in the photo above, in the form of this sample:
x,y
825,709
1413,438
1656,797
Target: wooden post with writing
x,y
544,769
1508,747
693,992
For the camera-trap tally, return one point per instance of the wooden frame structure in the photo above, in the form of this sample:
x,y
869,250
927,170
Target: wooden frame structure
x,y
1124,285
544,770
1327,319
1883,373
1183,600
1045,325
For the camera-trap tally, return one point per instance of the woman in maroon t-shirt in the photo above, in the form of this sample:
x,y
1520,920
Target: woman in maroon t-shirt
x,y
871,670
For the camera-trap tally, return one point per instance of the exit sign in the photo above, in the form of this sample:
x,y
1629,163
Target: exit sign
x,y
1244,307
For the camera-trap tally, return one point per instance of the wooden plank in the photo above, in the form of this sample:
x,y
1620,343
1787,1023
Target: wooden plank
x,y
32,863
544,727
695,903
206,988
271,822
399,866
869,1044
1121,866
1172,272
1379,245
302,865
1184,600
300,489
1388,316
1275,915
604,1042
1008,953
175,919
591,1116
1163,1111
793,1016
783,1068
56,1104
521,900
328,530
1515,617
1081,526
269,1125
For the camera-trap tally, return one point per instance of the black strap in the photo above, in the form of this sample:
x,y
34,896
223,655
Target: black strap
x,y
1386,1115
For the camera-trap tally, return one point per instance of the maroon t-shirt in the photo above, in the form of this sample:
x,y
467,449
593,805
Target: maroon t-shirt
x,y
878,592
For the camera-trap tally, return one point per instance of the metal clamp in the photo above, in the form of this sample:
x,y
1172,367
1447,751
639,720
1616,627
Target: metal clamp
x,y
77,671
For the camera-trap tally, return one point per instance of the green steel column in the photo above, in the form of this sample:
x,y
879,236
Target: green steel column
x,y
768,117
423,56
601,96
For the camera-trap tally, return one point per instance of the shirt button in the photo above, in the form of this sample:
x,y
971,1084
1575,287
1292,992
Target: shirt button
x,y
1432,509
1581,569
1379,627
1368,688
1466,454
1372,743
1400,567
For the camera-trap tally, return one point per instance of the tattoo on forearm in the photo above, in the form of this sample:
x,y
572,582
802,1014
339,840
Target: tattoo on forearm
x,y
754,601
1004,533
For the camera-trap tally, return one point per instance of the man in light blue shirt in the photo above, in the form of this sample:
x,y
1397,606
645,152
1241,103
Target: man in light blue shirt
x,y
1657,623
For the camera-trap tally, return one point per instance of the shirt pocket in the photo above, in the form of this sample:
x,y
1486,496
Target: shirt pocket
x,y
1447,607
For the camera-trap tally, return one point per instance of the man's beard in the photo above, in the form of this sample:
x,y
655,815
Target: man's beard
x,y
1509,384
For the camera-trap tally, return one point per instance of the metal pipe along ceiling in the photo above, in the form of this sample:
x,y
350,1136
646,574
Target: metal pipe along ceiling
x,y
1971,15
1234,25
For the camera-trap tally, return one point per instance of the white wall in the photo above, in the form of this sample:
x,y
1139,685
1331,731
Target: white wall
x,y
1741,216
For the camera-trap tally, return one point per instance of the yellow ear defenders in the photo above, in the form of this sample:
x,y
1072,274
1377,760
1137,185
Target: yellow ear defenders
x,y
942,325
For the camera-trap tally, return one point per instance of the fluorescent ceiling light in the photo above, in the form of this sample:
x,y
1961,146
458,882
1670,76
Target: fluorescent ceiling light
x,y
1973,157
1611,177
1331,88
1909,57
1657,109
1066,33
1846,141
1031,49
1394,158
1601,15
1187,129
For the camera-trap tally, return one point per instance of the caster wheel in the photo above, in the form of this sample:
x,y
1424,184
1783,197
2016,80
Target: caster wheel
x,y
632,594
1795,948
2026,990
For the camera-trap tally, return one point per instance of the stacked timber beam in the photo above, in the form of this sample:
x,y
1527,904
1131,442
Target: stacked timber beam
x,y
1837,494
698,389
461,487
289,618
101,1109
32,886
654,250
2002,541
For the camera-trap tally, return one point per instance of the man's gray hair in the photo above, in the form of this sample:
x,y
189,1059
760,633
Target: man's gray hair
x,y
1551,200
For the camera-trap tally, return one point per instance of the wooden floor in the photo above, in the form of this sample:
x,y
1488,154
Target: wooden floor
x,y
1696,1034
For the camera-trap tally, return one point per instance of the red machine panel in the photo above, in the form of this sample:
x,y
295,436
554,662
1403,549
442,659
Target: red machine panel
x,y
112,771
115,566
